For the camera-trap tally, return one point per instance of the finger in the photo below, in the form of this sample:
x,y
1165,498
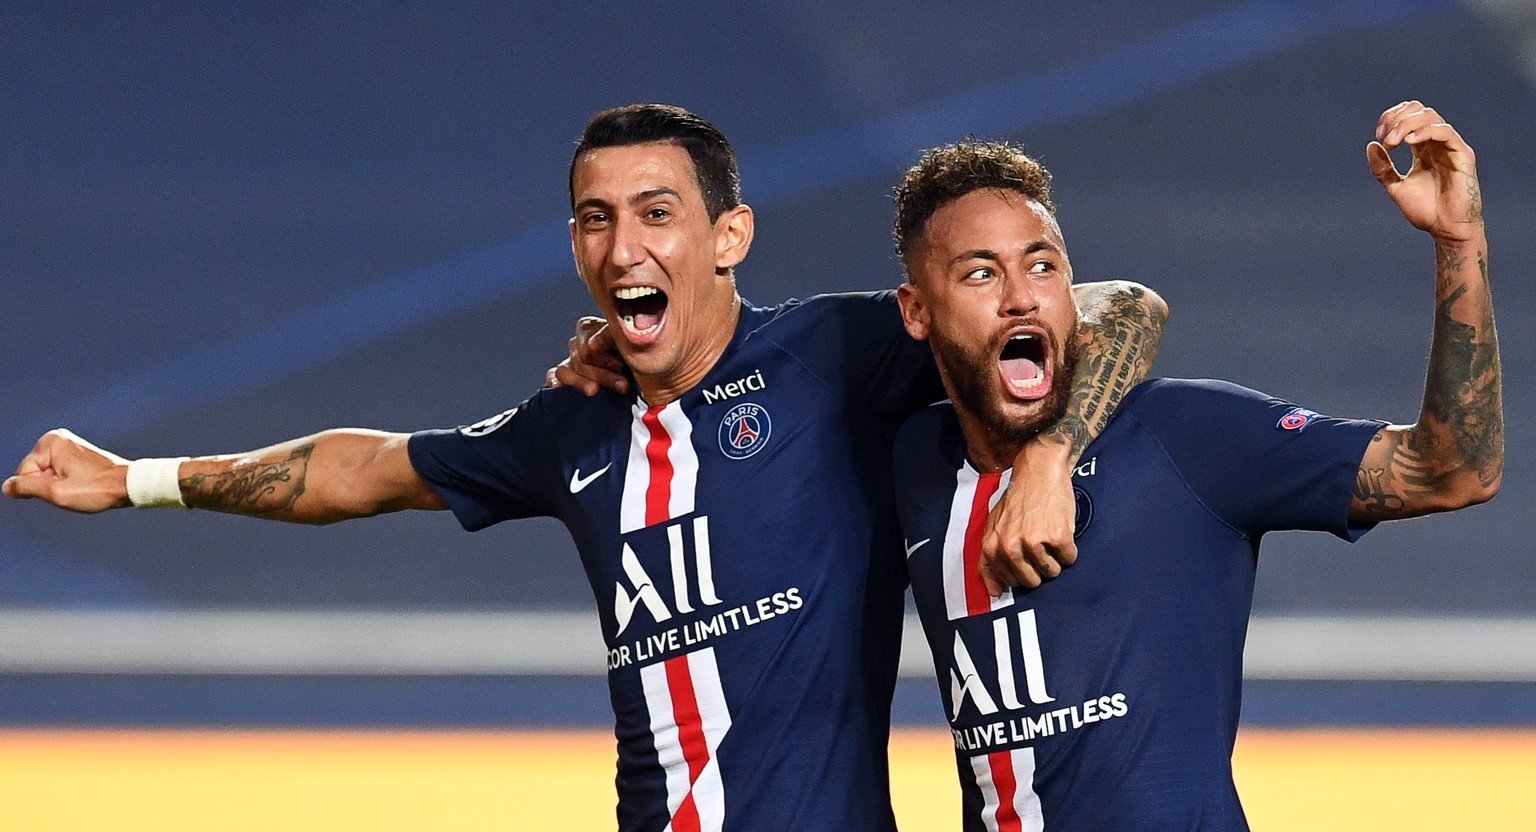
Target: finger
x,y
551,378
993,586
567,377
1026,575
1381,165
1389,115
586,325
1067,555
597,351
1409,122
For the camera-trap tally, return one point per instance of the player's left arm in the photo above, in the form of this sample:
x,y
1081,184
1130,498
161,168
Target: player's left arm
x,y
1029,536
1454,455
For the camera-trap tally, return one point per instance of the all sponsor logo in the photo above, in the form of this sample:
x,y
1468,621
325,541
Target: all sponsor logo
x,y
1297,419
744,430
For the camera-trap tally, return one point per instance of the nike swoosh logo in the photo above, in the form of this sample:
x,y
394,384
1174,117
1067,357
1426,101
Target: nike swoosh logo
x,y
578,482
918,545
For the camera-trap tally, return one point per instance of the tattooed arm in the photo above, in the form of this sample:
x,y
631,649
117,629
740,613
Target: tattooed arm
x,y
331,476
1029,534
1454,455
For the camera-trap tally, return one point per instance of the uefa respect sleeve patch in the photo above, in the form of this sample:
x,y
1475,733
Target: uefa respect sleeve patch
x,y
1297,419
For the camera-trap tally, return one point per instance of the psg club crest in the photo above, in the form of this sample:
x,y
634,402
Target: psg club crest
x,y
1084,511
1296,419
744,430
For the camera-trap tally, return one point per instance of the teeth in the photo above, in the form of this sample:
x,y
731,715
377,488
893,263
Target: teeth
x,y
635,292
1022,336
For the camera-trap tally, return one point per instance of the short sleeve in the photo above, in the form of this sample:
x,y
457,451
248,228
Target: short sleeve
x,y
1259,463
494,470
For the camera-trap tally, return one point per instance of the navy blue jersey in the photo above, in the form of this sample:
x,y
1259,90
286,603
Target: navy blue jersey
x,y
1108,698
743,549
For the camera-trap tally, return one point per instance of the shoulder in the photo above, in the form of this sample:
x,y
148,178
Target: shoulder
x,y
928,437
1159,399
839,308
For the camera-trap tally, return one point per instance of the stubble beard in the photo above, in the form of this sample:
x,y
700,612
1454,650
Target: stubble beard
x,y
977,387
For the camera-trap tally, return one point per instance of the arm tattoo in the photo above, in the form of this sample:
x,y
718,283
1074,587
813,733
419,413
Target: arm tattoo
x,y
261,487
1462,392
1389,493
1117,343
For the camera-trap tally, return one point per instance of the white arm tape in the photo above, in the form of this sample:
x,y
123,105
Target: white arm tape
x,y
153,483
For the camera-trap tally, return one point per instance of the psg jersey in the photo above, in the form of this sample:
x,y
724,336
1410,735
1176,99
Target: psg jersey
x,y
742,546
1108,698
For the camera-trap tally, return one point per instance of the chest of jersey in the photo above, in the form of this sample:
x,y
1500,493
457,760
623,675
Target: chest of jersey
x,y
1122,630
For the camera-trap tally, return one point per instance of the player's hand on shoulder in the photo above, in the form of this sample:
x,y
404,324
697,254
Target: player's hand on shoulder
x,y
594,362
1439,193
71,473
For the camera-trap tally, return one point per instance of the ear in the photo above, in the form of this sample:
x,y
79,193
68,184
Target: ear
x,y
733,237
914,310
570,224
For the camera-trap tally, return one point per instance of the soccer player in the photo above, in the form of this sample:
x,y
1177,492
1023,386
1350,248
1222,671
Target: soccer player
x,y
1108,698
734,514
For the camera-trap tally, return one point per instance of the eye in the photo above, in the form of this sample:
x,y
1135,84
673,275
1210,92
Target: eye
x,y
980,273
1042,267
594,219
657,214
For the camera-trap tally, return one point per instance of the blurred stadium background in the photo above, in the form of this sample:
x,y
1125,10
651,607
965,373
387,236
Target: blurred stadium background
x,y
227,225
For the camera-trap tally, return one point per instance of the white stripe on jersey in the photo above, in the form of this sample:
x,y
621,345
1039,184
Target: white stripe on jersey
x,y
966,480
685,460
1020,768
637,473
708,791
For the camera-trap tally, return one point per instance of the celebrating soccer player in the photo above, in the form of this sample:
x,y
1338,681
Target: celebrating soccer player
x,y
734,514
1108,698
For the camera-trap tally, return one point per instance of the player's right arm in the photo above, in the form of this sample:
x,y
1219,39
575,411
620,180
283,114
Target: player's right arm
x,y
330,476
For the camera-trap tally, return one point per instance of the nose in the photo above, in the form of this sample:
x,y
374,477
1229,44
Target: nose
x,y
1017,296
628,243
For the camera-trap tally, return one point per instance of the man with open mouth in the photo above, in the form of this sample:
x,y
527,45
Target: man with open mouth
x,y
1108,699
734,512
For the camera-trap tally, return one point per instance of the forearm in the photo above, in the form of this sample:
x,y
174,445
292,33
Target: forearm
x,y
1453,456
1120,325
330,476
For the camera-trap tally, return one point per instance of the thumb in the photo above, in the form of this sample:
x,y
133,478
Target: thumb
x,y
1381,165
26,486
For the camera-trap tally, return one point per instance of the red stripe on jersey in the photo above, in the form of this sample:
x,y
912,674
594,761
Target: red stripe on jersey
x,y
977,600
658,492
1007,785
690,735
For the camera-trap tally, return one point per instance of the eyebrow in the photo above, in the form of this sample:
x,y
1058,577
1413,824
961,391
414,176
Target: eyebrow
x,y
989,254
643,196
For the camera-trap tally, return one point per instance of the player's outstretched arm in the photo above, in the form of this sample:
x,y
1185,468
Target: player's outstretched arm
x,y
330,476
1029,533
1454,455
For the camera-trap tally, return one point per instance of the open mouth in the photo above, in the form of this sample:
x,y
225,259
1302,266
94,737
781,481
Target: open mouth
x,y
1023,365
642,311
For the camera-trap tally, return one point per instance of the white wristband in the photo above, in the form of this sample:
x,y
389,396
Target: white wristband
x,y
153,483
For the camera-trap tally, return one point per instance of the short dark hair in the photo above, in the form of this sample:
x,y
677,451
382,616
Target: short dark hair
x,y
714,162
944,174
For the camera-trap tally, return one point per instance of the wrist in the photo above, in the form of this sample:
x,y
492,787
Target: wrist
x,y
1044,456
154,482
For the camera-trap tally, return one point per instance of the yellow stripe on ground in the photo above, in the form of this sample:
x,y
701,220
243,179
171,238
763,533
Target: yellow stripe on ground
x,y
57,781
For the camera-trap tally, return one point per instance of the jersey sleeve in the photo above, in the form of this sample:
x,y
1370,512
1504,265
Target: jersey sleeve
x,y
497,469
1259,463
855,341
